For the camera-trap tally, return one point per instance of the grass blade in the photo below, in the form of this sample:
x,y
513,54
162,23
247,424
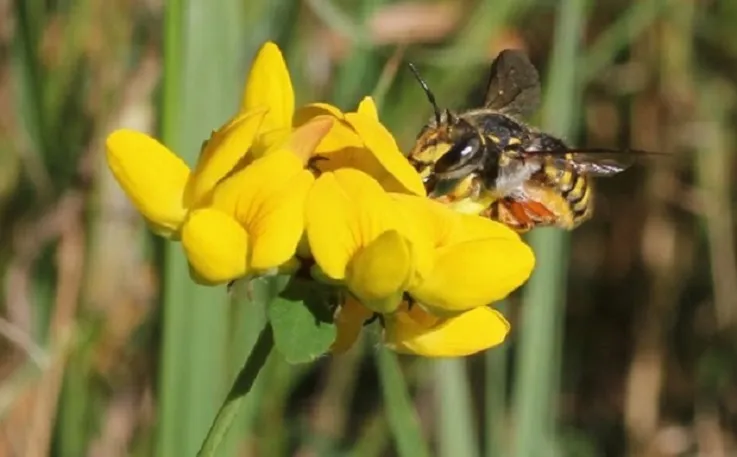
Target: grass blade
x,y
401,415
455,418
541,331
202,79
495,397
635,21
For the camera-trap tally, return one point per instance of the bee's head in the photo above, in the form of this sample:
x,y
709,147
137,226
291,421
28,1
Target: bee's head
x,y
447,152
448,148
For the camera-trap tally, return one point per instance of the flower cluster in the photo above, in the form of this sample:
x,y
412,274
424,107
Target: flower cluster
x,y
284,190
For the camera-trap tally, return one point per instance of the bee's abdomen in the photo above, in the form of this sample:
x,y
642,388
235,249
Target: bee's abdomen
x,y
575,188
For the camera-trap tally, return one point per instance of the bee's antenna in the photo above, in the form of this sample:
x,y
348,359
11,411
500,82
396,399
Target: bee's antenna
x,y
427,90
449,116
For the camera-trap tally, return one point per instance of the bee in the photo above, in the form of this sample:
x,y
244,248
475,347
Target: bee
x,y
487,161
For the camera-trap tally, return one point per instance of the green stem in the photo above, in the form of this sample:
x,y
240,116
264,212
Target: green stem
x,y
242,385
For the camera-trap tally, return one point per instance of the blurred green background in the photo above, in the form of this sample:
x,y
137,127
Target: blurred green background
x,y
623,342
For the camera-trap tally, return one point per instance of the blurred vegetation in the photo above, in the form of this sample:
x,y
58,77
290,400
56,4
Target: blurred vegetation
x,y
623,343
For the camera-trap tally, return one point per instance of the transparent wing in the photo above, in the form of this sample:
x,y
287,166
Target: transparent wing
x,y
514,84
596,163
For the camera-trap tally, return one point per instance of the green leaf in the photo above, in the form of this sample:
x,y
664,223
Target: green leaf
x,y
302,321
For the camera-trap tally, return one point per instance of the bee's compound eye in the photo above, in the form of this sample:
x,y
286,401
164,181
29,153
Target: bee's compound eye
x,y
459,155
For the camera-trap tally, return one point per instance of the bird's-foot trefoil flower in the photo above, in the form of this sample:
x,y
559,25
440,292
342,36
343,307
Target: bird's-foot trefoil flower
x,y
359,237
161,185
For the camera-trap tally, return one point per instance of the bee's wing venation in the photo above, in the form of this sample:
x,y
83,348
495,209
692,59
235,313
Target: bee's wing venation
x,y
597,165
514,84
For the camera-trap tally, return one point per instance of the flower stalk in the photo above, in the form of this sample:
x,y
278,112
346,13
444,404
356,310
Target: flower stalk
x,y
236,396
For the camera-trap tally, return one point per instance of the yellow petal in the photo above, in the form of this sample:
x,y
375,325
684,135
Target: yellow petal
x,y
267,198
216,246
307,112
442,225
475,273
341,134
341,137
304,139
473,227
421,220
345,211
269,85
153,177
223,151
379,273
367,107
349,321
462,335
268,141
277,226
243,192
397,175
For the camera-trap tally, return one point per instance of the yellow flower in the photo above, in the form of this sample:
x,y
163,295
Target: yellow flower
x,y
359,140
159,183
178,202
245,226
476,261
382,245
414,331
358,237
386,247
253,220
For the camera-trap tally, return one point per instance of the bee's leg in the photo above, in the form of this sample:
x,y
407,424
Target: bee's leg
x,y
524,228
540,214
492,211
512,214
476,188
